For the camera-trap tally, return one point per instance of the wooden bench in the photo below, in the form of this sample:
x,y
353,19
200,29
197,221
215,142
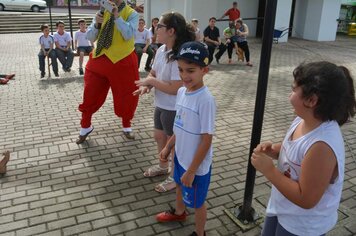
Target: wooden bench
x,y
76,53
49,62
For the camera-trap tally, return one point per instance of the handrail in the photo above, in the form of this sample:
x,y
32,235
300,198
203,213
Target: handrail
x,y
340,20
249,18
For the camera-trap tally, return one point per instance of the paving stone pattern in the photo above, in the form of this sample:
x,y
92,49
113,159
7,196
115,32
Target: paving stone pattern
x,y
55,187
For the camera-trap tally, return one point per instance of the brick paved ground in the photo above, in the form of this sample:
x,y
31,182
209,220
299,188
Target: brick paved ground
x,y
55,187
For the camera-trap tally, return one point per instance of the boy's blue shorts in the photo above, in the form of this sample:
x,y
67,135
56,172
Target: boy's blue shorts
x,y
195,196
85,49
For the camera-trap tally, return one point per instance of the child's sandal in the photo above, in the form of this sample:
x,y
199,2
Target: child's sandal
x,y
167,185
155,171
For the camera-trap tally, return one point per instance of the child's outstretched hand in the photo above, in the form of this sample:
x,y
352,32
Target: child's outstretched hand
x,y
142,90
145,82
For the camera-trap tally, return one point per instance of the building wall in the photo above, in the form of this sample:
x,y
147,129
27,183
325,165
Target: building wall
x,y
283,18
313,19
203,10
328,21
299,18
316,19
313,16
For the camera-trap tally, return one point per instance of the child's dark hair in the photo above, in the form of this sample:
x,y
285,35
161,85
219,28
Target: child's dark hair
x,y
141,19
81,21
44,26
333,85
232,24
184,32
59,22
153,28
212,18
154,19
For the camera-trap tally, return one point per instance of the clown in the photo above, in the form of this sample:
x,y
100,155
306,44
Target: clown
x,y
112,65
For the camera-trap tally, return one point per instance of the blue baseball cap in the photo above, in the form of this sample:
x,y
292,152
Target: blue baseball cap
x,y
194,52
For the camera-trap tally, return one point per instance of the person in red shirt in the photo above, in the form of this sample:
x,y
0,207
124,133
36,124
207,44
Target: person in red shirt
x,y
233,13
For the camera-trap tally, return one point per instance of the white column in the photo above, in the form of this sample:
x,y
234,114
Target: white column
x,y
316,19
283,17
328,24
147,11
188,10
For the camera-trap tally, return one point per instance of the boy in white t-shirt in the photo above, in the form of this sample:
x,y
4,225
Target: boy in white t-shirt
x,y
142,44
193,133
63,40
81,44
47,41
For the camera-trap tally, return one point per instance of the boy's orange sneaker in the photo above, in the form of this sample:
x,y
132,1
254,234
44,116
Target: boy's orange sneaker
x,y
11,76
3,81
168,216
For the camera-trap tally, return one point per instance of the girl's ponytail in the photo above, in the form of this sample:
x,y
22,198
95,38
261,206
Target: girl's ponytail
x,y
183,32
350,97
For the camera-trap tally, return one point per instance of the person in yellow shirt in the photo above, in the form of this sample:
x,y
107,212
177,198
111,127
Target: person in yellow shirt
x,y
111,65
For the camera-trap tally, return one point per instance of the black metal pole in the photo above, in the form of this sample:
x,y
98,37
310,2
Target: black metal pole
x,y
246,211
50,16
70,22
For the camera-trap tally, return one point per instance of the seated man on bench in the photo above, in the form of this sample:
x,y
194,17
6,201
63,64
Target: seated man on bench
x,y
212,39
82,45
142,44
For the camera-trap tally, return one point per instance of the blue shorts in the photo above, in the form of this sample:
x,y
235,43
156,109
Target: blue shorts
x,y
85,49
195,196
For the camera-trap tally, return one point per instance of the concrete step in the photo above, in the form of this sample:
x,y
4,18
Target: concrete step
x,y
25,22
30,23
43,19
31,28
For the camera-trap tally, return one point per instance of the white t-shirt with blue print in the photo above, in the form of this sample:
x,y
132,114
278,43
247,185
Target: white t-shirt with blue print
x,y
46,41
195,115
